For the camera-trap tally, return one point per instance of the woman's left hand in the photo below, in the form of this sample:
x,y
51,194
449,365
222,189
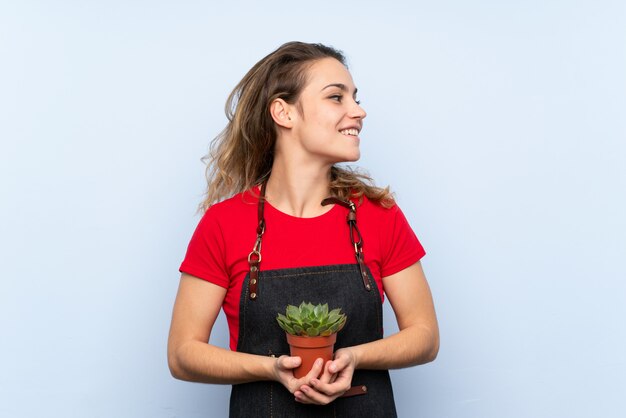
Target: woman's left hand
x,y
334,382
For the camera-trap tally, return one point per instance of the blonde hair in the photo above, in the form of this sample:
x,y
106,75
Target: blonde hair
x,y
242,155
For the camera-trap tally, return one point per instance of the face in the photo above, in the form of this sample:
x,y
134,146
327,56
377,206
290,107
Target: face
x,y
329,118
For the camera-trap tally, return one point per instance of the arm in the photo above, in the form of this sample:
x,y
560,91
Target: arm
x,y
190,357
417,341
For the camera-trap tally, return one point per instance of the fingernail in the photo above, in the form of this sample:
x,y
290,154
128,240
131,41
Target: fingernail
x,y
305,389
314,382
318,362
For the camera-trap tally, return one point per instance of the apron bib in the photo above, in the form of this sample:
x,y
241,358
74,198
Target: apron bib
x,y
266,293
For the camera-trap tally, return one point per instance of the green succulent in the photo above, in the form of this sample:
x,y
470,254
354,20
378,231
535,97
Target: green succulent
x,y
311,320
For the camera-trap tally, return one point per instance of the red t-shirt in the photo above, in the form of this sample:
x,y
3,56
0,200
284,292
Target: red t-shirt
x,y
218,251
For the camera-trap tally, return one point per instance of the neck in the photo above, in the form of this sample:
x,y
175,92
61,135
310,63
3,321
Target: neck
x,y
298,190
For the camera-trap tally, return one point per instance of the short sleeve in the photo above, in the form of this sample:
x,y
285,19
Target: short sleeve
x,y
401,248
205,257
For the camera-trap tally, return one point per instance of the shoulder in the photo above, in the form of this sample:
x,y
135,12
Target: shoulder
x,y
370,208
243,202
388,221
229,216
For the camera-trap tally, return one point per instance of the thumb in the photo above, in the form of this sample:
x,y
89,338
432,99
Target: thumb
x,y
339,363
287,362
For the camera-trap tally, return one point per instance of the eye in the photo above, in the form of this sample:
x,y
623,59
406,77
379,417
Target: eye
x,y
357,101
336,97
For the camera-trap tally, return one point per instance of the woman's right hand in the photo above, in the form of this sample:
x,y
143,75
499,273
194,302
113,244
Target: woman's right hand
x,y
283,372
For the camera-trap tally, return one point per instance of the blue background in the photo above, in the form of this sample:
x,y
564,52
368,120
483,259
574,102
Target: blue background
x,y
500,125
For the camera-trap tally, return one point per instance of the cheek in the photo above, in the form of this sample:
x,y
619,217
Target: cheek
x,y
315,122
326,119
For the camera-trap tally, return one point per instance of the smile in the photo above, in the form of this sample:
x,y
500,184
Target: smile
x,y
352,132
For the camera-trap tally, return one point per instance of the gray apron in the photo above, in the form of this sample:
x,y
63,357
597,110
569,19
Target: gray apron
x,y
265,293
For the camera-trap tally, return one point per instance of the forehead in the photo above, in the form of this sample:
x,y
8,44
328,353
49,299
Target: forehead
x,y
328,71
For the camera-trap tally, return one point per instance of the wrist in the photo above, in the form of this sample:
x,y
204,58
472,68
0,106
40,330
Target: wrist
x,y
269,368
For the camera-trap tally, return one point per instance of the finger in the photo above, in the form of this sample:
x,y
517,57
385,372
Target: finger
x,y
288,363
315,371
339,364
336,388
327,376
341,361
309,395
333,376
301,396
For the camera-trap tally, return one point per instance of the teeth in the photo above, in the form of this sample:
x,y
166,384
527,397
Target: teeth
x,y
353,132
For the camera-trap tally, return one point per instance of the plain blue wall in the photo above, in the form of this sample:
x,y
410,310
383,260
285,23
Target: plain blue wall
x,y
500,125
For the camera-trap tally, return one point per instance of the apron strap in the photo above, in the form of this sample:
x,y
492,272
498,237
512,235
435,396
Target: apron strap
x,y
355,236
254,258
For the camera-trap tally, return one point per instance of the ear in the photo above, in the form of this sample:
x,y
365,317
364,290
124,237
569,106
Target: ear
x,y
280,111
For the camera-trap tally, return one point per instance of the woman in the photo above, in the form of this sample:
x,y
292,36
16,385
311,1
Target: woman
x,y
271,243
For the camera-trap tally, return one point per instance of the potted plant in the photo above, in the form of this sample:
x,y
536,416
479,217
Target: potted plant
x,y
311,333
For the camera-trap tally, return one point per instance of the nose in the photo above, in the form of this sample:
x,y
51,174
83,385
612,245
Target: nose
x,y
357,111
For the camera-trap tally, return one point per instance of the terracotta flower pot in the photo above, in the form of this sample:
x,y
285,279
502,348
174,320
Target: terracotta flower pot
x,y
310,349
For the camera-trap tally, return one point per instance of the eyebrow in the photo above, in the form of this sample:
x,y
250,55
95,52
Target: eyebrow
x,y
340,86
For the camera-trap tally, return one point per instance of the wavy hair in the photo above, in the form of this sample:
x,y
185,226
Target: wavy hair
x,y
242,155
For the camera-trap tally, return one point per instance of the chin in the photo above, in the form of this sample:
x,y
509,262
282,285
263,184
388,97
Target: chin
x,y
346,158
354,157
